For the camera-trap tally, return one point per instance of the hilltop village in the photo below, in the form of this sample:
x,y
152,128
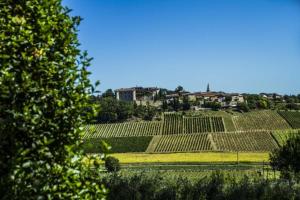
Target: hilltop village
x,y
148,103
197,100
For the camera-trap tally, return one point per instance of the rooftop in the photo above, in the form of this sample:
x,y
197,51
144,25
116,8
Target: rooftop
x,y
136,89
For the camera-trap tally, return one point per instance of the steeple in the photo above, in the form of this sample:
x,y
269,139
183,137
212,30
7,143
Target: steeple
x,y
208,90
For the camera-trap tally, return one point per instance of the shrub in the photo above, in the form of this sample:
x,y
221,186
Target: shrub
x,y
244,107
112,164
45,102
217,186
287,158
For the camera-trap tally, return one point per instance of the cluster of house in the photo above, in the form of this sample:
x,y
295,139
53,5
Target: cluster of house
x,y
271,96
143,96
225,99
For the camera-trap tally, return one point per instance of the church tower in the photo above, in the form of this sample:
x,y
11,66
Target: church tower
x,y
208,89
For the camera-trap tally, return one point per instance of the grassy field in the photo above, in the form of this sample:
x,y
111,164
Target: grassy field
x,y
209,157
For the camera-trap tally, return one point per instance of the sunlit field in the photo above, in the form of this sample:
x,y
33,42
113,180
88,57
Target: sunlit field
x,y
209,157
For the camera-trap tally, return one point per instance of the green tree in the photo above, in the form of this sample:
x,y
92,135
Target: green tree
x,y
287,158
213,105
112,164
262,104
175,104
252,100
145,112
108,93
45,102
228,99
108,112
165,105
186,104
113,110
124,110
243,106
162,93
150,112
179,89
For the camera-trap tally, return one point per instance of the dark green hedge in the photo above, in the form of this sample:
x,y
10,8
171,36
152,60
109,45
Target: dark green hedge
x,y
119,144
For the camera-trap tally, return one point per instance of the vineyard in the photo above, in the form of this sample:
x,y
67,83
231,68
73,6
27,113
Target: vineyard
x,y
123,129
261,141
293,118
282,136
172,124
196,124
183,143
217,124
227,117
178,124
196,132
244,141
203,124
260,120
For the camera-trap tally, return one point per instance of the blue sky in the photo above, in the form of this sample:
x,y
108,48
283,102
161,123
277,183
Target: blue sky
x,y
235,45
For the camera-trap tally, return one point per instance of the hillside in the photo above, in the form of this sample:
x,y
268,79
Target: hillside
x,y
257,131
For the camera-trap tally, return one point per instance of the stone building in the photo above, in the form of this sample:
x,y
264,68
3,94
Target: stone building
x,y
137,94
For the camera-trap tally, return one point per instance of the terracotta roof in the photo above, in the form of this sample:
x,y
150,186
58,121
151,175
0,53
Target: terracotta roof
x,y
208,94
137,89
233,94
124,89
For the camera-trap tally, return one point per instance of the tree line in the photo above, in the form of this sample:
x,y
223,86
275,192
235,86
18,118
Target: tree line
x,y
113,110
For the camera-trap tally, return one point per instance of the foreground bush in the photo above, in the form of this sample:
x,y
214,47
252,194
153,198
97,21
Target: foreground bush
x,y
45,101
287,158
216,186
112,164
